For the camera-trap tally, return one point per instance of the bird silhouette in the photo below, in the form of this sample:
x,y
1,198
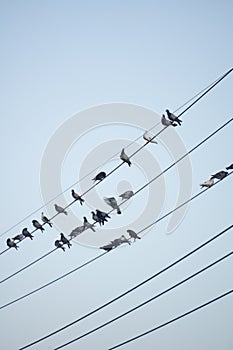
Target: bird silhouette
x,y
220,175
37,225
60,209
100,176
124,157
11,243
229,167
173,117
18,237
107,247
59,244
26,233
133,235
64,240
126,195
102,216
46,220
111,201
76,231
77,197
167,122
87,224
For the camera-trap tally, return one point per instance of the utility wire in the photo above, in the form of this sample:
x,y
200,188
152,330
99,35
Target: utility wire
x,y
207,89
144,303
133,288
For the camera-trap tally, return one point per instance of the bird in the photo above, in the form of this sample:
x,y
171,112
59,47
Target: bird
x,y
64,240
76,231
26,233
220,175
133,235
87,224
59,244
126,195
148,137
113,203
173,117
167,122
124,157
60,209
11,243
100,176
207,183
18,237
37,225
76,196
125,240
95,217
45,219
107,247
116,242
102,216
229,167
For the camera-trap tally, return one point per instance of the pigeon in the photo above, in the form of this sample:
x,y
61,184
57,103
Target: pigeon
x,y
229,167
75,232
59,244
107,247
46,220
76,196
11,243
125,240
95,217
173,117
220,175
101,215
19,237
37,225
125,158
167,122
207,183
113,203
133,235
26,233
100,176
87,224
126,195
116,242
64,240
60,209
147,137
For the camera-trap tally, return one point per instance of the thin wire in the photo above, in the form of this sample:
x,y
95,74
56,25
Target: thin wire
x,y
133,288
209,87
144,303
172,320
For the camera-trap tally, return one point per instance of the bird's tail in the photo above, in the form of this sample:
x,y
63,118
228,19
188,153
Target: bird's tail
x,y
118,211
50,224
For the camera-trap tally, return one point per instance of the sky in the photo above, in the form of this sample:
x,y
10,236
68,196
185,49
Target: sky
x,y
86,78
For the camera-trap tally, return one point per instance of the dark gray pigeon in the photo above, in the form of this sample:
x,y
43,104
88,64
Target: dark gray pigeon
x,y
11,243
111,201
220,175
87,224
26,233
64,240
126,195
229,167
173,117
124,157
59,244
107,247
76,231
37,225
100,176
102,216
133,235
60,209
96,218
77,197
45,219
167,122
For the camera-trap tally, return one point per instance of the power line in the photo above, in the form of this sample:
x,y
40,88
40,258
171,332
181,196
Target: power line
x,y
144,303
209,88
133,288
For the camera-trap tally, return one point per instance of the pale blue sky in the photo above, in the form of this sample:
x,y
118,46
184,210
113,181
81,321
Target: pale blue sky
x,y
61,57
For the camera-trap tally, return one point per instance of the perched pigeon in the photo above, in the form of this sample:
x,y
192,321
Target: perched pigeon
x,y
167,122
19,237
148,137
59,244
75,232
64,240
113,203
125,158
76,196
102,216
11,243
26,233
133,235
60,209
87,224
46,220
125,240
116,242
126,195
229,167
220,175
107,247
173,117
96,218
37,225
207,183
100,176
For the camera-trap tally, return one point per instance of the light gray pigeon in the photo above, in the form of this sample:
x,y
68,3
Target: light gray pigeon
x,y
167,122
19,237
46,220
207,183
77,197
87,224
60,209
229,167
220,175
133,235
126,195
100,176
124,239
64,240
37,225
125,158
26,233
173,117
11,243
111,201
59,244
148,137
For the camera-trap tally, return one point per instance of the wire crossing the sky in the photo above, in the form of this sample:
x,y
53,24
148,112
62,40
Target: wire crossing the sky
x,y
206,90
133,288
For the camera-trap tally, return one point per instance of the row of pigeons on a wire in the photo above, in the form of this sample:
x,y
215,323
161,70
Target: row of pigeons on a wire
x,y
99,216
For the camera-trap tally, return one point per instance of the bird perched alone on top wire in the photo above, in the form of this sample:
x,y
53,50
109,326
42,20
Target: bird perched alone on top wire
x,y
207,183
220,175
229,167
148,137
167,122
64,240
11,243
87,224
60,209
133,235
26,233
59,244
173,117
126,195
125,158
111,201
37,225
100,176
46,220
77,197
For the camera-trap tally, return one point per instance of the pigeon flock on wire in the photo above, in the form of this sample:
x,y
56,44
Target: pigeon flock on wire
x,y
101,217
